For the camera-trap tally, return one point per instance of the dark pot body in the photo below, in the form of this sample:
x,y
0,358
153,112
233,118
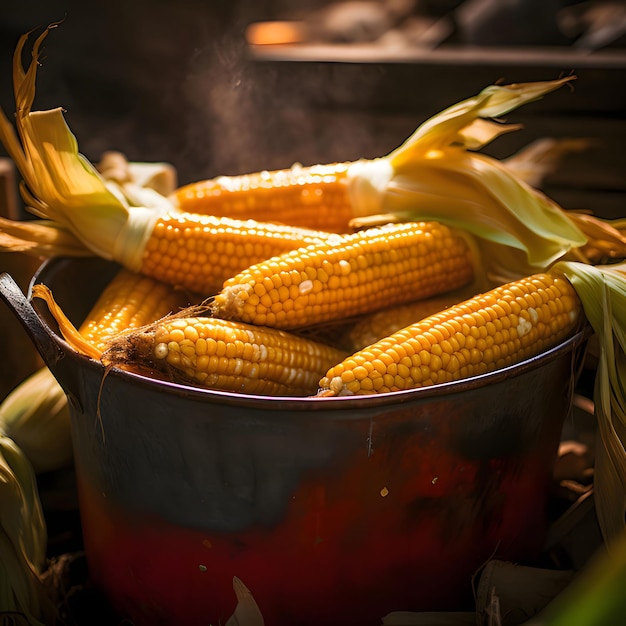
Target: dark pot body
x,y
330,510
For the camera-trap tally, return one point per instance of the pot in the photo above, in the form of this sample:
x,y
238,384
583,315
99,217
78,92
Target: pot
x,y
329,510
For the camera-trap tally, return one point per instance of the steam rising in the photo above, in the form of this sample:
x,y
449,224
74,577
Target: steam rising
x,y
179,86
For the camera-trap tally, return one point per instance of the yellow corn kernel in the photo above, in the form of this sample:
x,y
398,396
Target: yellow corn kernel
x,y
199,252
130,300
348,275
511,326
227,356
371,327
312,197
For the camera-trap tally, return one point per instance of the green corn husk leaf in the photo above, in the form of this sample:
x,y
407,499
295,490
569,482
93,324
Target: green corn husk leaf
x,y
602,290
35,415
23,539
596,596
438,175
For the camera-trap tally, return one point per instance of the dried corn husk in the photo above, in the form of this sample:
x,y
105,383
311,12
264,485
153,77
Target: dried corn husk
x,y
596,596
542,157
506,595
247,612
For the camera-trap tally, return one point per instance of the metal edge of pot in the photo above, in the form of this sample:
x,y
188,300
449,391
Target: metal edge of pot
x,y
573,343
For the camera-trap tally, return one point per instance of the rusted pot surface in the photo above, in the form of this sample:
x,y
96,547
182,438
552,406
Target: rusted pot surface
x,y
330,510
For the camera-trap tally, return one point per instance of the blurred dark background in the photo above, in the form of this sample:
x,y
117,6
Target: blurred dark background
x,y
178,81
142,76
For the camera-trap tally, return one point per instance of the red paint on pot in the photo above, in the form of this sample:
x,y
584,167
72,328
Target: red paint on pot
x,y
409,539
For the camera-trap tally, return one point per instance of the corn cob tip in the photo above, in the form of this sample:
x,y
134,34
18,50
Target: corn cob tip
x,y
333,388
135,347
134,351
229,302
127,347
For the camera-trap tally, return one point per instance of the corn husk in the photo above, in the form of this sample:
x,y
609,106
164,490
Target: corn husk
x,y
133,182
136,180
602,290
534,162
36,417
23,538
605,238
70,333
60,184
40,238
247,612
438,174
596,596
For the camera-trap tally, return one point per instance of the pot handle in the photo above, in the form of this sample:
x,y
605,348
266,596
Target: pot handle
x,y
26,314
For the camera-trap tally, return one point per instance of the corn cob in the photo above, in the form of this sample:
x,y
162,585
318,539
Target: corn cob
x,y
195,252
318,196
227,356
348,275
213,353
201,252
129,301
371,327
490,331
312,197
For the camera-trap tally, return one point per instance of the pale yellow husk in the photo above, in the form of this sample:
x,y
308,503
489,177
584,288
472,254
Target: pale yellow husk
x,y
70,333
112,220
39,238
534,162
35,415
23,539
437,174
602,290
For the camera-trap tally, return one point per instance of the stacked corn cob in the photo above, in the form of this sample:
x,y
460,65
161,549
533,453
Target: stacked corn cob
x,y
288,277
435,216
